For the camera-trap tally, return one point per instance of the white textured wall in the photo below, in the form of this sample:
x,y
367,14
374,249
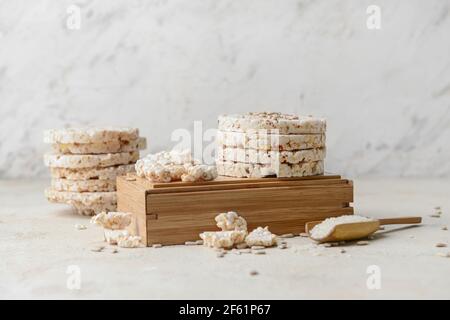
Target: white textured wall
x,y
160,65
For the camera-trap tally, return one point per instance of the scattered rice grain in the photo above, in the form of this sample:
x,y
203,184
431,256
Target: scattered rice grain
x,y
444,255
258,247
259,252
286,235
97,249
304,235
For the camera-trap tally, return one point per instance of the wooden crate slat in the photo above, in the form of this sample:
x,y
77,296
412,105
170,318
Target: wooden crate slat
x,y
230,186
241,199
253,216
222,180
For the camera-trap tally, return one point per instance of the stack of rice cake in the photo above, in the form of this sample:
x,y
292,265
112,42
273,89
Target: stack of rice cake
x,y
85,162
270,144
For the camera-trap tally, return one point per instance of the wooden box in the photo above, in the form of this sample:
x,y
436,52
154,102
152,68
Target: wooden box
x,y
172,213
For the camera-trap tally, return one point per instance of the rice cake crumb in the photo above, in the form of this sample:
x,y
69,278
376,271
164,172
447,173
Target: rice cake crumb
x,y
80,227
229,221
129,241
222,239
362,243
157,245
261,237
174,165
112,220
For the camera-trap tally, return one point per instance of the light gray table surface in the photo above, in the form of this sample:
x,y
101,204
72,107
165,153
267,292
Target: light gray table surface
x,y
41,252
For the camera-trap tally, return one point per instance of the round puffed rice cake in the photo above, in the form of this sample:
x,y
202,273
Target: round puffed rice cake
x,y
90,160
282,123
86,203
100,147
283,170
90,135
107,173
92,185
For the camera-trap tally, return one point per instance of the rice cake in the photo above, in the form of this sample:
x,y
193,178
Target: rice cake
x,y
92,185
85,202
249,170
90,135
100,147
78,161
269,157
274,142
94,209
284,123
107,173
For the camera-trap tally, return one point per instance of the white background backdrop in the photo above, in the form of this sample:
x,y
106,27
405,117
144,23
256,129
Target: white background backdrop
x,y
160,65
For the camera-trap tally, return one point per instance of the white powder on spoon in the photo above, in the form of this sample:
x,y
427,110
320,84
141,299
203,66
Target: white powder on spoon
x,y
324,228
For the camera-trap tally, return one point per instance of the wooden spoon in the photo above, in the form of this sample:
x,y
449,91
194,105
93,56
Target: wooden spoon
x,y
358,230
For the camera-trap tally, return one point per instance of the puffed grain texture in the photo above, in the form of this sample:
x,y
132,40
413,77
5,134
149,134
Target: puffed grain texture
x,y
78,161
92,185
284,123
100,147
269,157
274,142
90,135
107,173
247,170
